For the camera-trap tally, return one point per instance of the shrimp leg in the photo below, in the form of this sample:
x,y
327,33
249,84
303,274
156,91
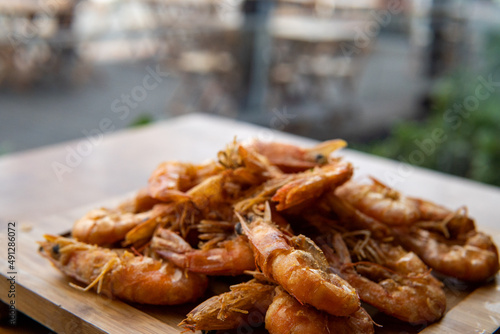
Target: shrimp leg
x,y
231,309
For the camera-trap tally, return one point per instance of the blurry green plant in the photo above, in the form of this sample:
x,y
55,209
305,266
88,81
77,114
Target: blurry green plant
x,y
470,145
142,119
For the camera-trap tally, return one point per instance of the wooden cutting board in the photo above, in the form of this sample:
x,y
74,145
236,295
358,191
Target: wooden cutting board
x,y
43,293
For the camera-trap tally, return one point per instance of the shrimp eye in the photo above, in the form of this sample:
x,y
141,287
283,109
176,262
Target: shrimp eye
x,y
40,249
238,228
320,159
55,249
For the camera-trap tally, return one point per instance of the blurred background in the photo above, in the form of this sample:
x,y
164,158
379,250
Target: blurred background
x,y
417,81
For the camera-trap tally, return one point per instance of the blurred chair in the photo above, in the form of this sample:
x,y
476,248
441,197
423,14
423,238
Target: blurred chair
x,y
315,53
202,49
35,40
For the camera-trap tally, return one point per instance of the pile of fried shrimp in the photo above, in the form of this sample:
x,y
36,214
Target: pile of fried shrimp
x,y
308,242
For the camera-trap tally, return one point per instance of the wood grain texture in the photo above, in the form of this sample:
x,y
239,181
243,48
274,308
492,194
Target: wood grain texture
x,y
122,162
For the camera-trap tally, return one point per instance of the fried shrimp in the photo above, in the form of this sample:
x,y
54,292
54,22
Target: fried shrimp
x,y
350,216
106,226
312,184
172,179
229,257
290,158
287,316
297,271
231,309
380,202
452,246
121,274
396,282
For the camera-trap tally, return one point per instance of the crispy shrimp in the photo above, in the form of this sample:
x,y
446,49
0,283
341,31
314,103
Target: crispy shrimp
x,y
351,217
380,202
452,246
231,309
290,158
172,179
121,274
312,184
298,271
287,316
396,282
229,257
106,226
140,203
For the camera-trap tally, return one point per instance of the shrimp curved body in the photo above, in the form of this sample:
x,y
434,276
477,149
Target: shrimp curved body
x,y
229,257
355,219
106,226
312,184
123,275
290,158
231,309
298,272
400,285
380,202
171,179
287,316
474,260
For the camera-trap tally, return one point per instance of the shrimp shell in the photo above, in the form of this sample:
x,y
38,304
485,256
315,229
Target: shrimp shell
x,y
290,158
231,309
475,260
401,286
380,202
230,257
312,184
287,316
298,272
124,276
106,226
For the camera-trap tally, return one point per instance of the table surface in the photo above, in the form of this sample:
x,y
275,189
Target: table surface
x,y
116,164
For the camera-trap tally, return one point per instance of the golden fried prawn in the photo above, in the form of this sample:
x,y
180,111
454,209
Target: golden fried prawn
x,y
312,184
172,179
287,316
290,158
400,285
231,309
229,257
297,271
380,202
123,275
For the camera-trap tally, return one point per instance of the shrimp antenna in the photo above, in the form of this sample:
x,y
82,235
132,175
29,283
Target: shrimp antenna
x,y
267,212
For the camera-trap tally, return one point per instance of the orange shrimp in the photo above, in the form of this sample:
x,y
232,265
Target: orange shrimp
x,y
312,184
121,274
231,309
396,282
229,257
290,158
380,202
298,271
452,247
140,203
288,316
106,226
351,217
172,179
